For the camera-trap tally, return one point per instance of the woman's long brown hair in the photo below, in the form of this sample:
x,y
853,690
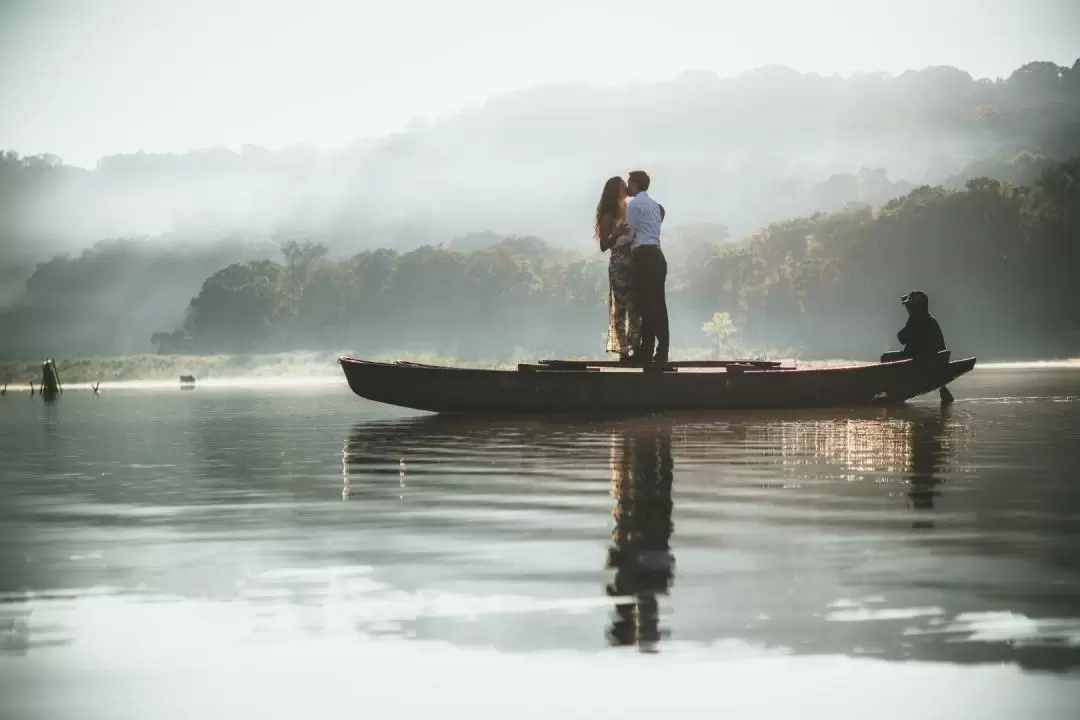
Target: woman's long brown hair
x,y
612,200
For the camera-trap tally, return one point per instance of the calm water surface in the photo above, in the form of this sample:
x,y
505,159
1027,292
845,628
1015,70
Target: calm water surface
x,y
296,551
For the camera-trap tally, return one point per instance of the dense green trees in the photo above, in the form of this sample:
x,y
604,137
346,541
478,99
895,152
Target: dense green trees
x,y
110,298
997,260
863,188
518,293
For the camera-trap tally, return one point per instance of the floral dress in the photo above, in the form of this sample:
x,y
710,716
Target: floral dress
x,y
624,324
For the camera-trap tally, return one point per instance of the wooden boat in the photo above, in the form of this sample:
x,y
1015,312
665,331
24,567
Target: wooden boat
x,y
570,386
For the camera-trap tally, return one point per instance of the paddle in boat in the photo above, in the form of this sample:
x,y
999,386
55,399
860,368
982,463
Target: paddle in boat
x,y
599,386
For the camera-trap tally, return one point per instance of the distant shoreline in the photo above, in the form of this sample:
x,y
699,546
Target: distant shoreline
x,y
142,368
171,367
296,364
315,364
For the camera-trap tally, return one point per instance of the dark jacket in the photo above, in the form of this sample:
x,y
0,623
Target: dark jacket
x,y
921,335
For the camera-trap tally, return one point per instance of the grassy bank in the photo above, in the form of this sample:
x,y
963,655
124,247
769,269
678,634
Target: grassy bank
x,y
171,367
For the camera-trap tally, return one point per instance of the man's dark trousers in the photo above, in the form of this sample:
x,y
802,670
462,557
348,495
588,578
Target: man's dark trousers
x,y
649,272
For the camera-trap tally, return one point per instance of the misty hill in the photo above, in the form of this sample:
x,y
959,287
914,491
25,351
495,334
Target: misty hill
x,y
767,145
106,299
998,261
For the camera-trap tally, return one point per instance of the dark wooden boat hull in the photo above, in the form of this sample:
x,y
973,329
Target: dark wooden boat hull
x,y
465,390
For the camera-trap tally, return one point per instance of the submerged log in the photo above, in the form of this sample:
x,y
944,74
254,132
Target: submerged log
x,y
50,378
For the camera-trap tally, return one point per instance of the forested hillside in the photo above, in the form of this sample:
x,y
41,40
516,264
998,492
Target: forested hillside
x,y
801,205
999,262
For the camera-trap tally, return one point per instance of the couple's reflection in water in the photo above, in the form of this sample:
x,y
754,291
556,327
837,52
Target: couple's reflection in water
x,y
642,471
912,444
642,476
637,452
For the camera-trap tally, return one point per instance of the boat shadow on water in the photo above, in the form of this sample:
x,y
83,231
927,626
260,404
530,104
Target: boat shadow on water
x,y
907,448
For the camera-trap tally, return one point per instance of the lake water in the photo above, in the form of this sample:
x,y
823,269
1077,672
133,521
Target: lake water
x,y
294,551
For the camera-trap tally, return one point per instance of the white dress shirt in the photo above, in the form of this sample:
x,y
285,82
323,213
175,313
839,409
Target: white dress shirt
x,y
643,217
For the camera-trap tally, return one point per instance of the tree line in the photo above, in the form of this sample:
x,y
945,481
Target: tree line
x,y
862,187
997,260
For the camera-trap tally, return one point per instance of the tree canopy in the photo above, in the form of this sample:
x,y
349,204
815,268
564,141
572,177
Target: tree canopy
x,y
800,206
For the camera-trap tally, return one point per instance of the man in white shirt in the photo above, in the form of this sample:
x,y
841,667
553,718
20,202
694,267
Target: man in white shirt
x,y
648,268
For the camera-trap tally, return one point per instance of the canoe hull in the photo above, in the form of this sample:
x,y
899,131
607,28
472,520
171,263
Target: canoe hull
x,y
476,391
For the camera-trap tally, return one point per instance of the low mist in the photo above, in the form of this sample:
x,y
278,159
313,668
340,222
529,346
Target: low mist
x,y
768,145
413,237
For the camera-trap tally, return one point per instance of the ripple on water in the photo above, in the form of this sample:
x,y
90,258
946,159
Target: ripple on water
x,y
233,525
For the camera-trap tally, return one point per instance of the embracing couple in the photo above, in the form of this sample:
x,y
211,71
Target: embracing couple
x,y
637,270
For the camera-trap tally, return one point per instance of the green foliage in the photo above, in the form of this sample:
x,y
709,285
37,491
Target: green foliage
x,y
257,251
108,299
997,261
720,328
427,300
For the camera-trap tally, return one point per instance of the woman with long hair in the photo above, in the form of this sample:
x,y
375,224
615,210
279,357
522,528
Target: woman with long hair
x,y
624,323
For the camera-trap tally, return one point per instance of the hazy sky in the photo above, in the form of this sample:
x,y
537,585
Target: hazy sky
x,y
88,78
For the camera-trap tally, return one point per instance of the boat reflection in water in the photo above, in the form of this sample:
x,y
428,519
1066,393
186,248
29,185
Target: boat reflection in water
x,y
912,446
641,476
796,534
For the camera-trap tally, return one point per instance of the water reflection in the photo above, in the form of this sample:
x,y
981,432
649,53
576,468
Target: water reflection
x,y
915,447
929,453
795,529
14,628
797,525
863,441
641,469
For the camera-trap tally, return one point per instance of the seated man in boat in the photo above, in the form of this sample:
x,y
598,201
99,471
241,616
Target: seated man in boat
x,y
921,336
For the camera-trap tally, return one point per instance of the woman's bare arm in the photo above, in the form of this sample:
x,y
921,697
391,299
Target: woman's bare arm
x,y
607,228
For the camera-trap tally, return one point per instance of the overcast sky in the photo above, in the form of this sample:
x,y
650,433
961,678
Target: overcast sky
x,y
88,78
